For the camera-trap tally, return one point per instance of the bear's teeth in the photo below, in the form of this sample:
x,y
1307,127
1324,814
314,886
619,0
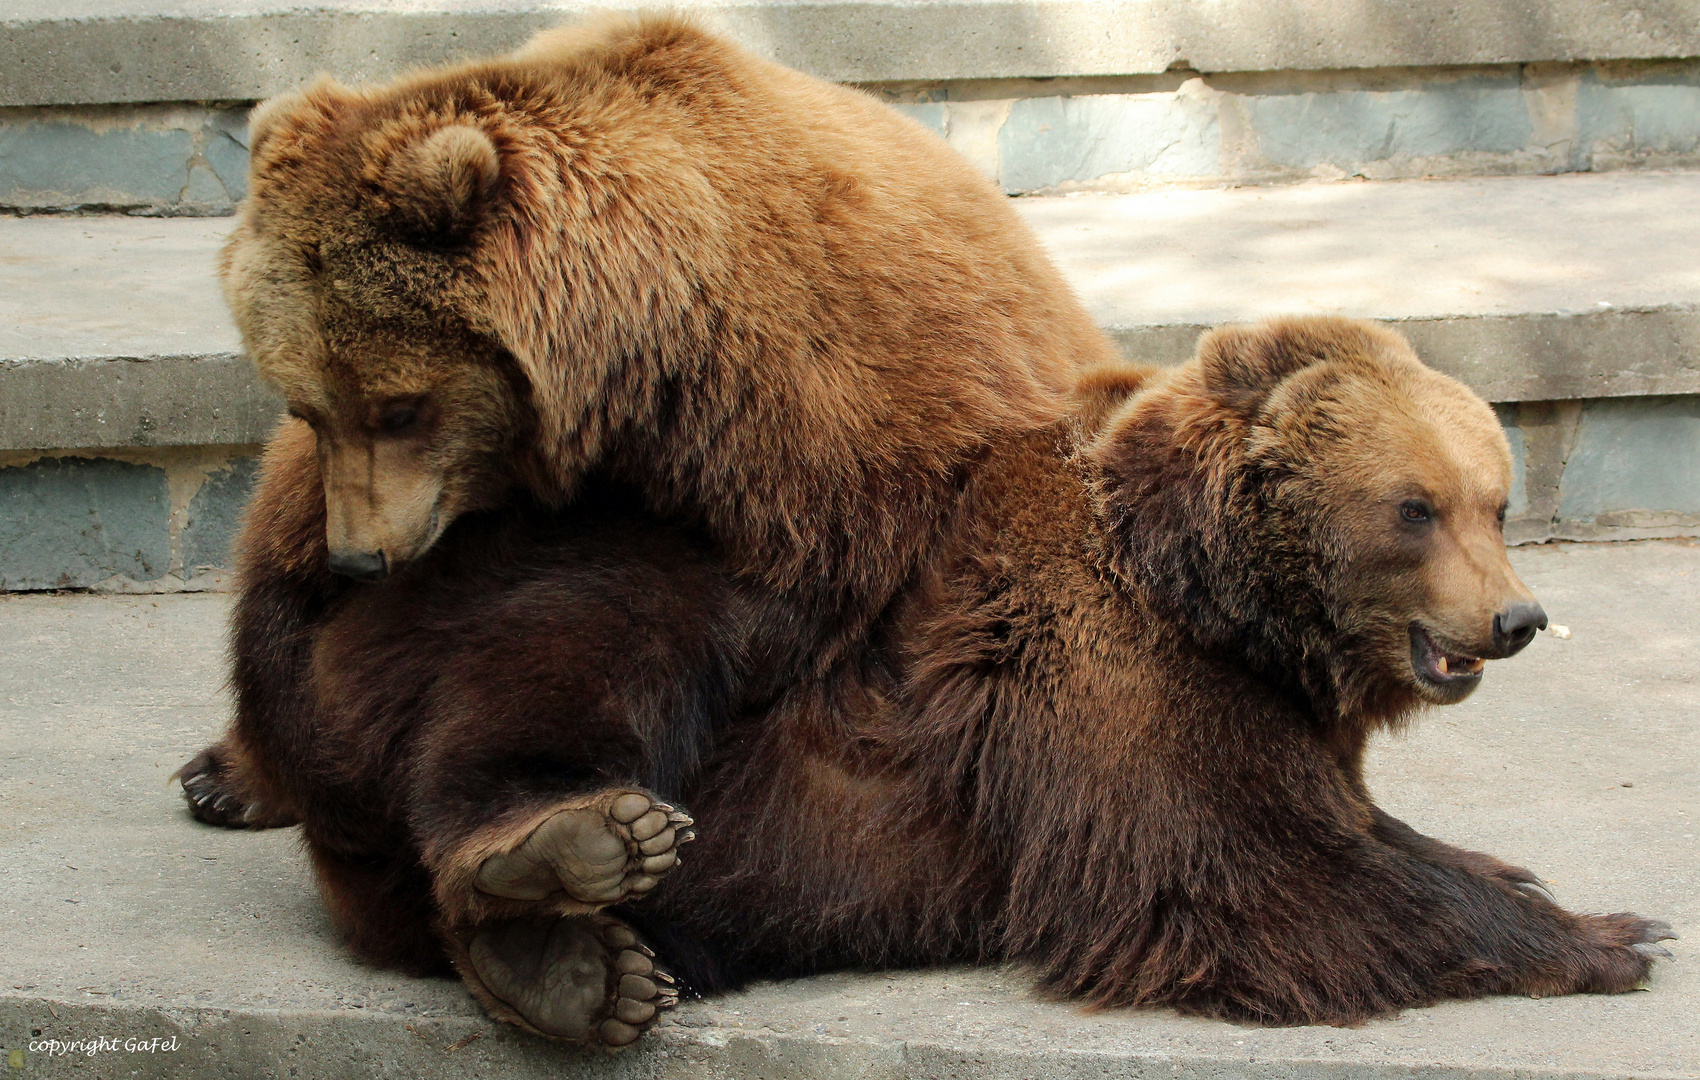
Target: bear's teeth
x,y
1442,666
1474,664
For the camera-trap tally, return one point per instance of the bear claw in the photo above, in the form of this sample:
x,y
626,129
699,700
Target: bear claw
x,y
599,850
1537,890
587,979
208,788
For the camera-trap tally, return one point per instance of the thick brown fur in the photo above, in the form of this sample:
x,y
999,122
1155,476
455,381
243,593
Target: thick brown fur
x,y
629,258
1115,728
1119,734
771,305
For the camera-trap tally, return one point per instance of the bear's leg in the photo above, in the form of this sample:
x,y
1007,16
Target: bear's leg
x,y
223,787
1369,929
585,851
250,778
1560,952
1511,938
1395,833
553,737
382,904
586,979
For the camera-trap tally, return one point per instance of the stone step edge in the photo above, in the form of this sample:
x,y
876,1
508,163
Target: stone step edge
x,y
77,53
216,398
248,1041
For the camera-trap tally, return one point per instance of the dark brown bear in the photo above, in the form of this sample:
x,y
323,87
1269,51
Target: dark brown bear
x,y
1114,729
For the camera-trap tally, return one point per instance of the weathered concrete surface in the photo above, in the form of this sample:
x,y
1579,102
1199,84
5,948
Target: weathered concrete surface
x,y
73,522
1192,129
113,332
94,51
179,159
1527,288
121,918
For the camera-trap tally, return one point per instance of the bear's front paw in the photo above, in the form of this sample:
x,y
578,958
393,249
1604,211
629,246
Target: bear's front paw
x,y
587,979
217,795
1623,950
599,849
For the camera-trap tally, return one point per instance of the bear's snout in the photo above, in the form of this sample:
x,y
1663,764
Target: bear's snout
x,y
369,565
1515,627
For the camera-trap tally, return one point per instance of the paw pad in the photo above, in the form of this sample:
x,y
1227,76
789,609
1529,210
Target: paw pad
x,y
600,850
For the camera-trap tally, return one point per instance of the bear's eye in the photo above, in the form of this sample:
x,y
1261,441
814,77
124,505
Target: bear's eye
x,y
1415,511
399,418
1501,514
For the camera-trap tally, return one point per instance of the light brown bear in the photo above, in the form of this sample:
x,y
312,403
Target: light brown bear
x,y
633,266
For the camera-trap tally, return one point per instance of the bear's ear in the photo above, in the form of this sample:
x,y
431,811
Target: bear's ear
x,y
1241,364
264,118
441,184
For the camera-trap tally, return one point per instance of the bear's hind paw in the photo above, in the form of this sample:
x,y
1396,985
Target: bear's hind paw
x,y
601,849
586,979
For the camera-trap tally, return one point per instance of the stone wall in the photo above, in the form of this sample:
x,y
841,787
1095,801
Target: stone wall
x,y
156,520
161,520
1031,135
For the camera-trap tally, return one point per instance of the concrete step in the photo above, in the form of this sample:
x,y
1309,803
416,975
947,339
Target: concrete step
x,y
1527,288
139,105
103,51
1572,301
123,919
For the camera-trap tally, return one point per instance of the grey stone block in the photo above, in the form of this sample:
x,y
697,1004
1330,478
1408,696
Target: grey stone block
x,y
64,164
1049,142
1638,116
1635,464
150,159
224,146
1517,503
214,515
74,522
929,114
142,402
1352,127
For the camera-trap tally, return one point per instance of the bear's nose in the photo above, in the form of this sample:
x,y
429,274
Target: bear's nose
x,y
1515,627
372,566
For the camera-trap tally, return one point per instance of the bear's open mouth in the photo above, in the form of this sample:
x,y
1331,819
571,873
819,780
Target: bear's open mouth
x,y
1443,670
